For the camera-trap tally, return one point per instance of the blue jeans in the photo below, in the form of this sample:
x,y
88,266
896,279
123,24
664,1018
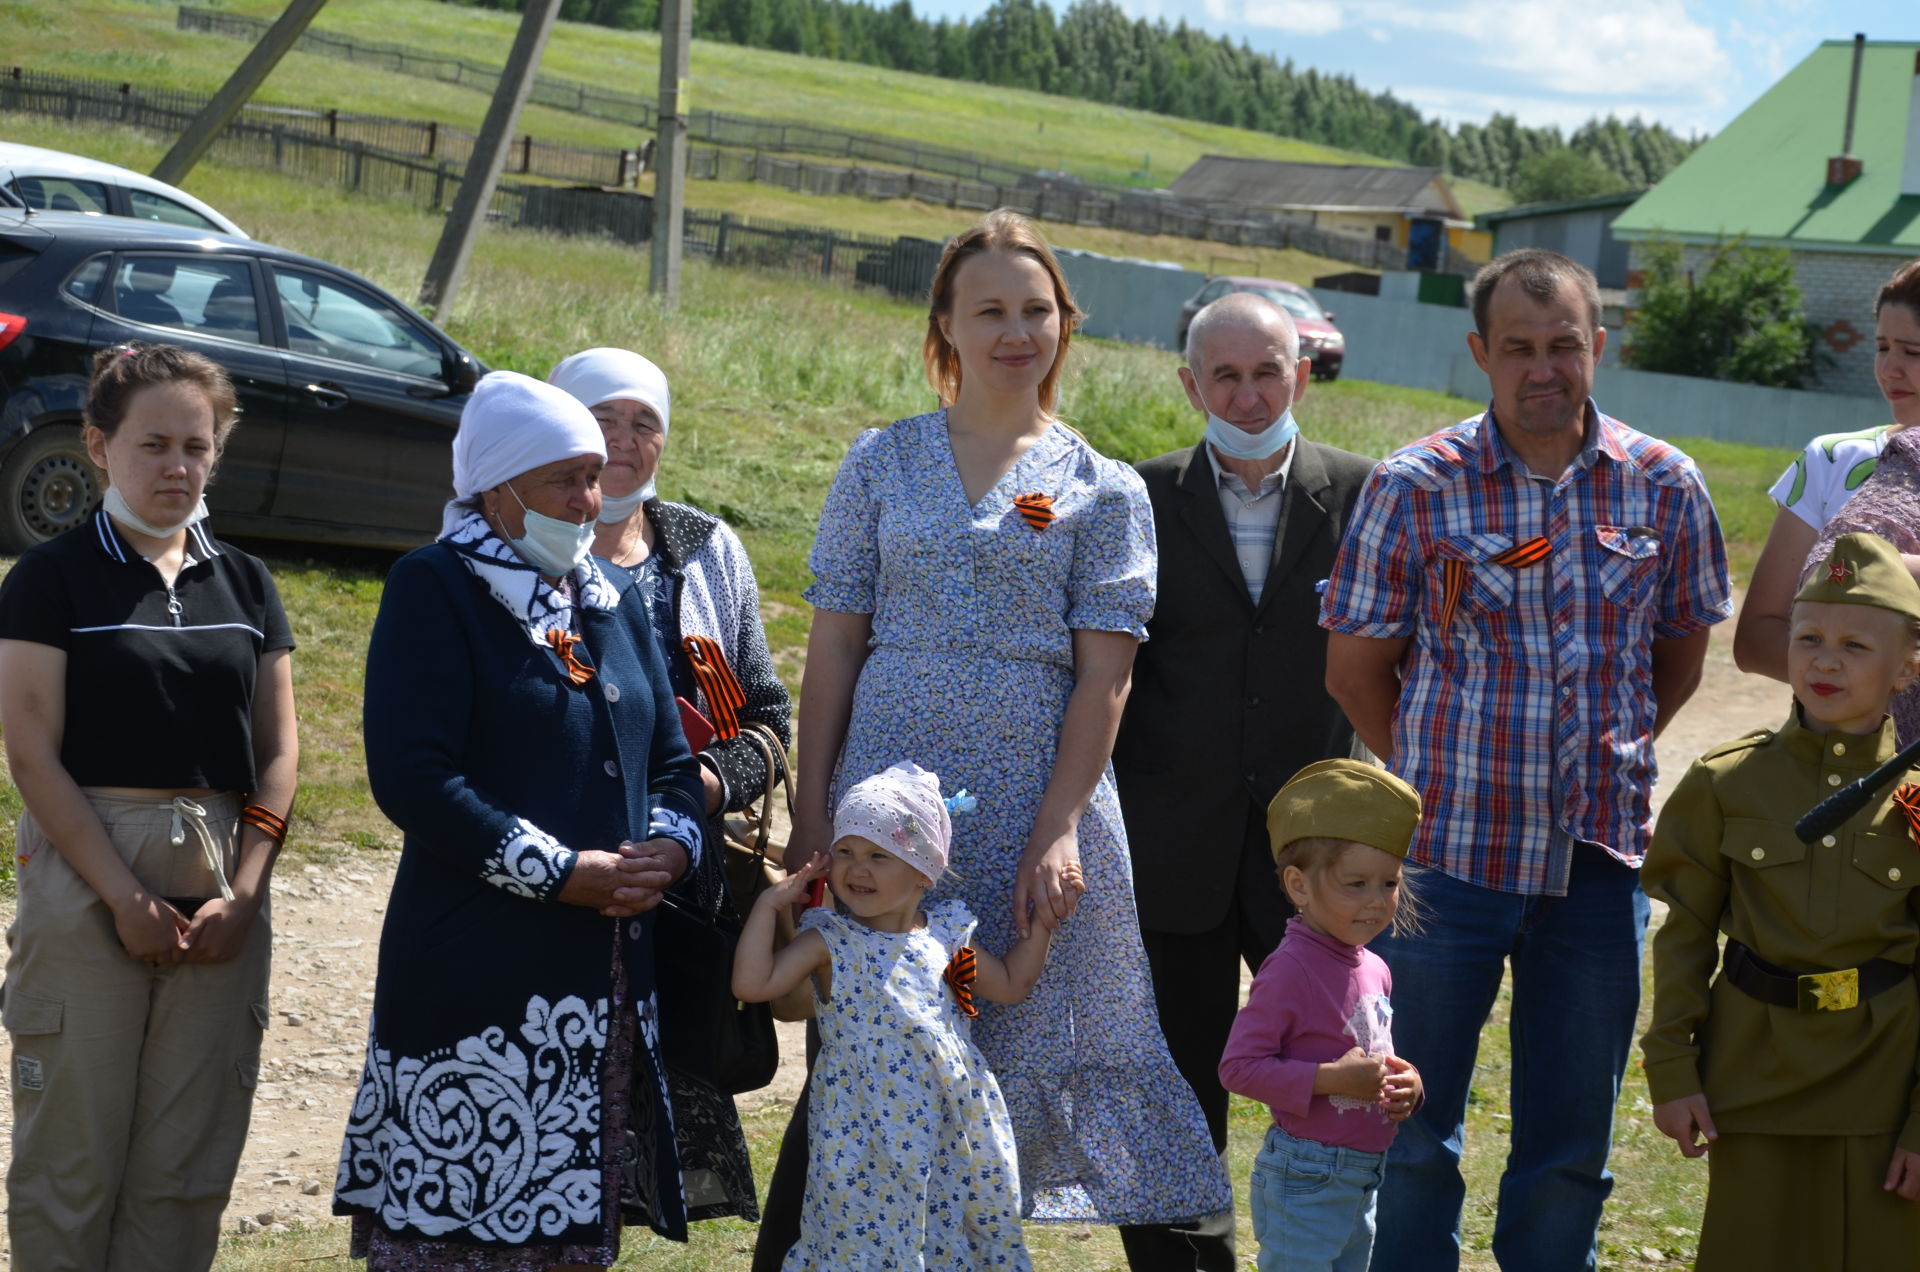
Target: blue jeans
x,y
1576,987
1313,1205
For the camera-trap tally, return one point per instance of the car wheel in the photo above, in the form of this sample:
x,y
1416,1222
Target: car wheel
x,y
47,487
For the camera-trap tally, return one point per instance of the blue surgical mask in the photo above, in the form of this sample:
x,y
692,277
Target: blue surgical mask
x,y
548,544
1237,443
617,508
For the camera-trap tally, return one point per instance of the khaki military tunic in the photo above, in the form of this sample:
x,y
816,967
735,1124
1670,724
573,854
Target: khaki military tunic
x,y
1725,859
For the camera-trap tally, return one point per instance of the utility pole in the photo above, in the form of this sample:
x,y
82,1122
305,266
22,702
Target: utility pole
x,y
251,73
670,171
450,258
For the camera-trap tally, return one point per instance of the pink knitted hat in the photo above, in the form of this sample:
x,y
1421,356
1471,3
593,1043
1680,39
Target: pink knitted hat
x,y
902,811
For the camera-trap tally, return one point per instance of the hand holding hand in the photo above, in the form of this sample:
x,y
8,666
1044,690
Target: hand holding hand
x,y
1400,1093
1049,883
1687,1122
218,930
1903,1174
1356,1074
150,930
646,869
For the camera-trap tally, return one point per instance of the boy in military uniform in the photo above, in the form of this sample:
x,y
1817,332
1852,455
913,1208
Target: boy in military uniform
x,y
1799,1065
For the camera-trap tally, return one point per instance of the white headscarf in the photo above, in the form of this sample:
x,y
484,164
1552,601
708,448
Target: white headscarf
x,y
604,375
513,424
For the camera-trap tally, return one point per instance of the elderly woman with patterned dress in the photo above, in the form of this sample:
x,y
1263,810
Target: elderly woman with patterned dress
x,y
1846,482
695,593
528,747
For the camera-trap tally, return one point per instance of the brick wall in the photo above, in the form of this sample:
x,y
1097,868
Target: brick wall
x,y
1837,289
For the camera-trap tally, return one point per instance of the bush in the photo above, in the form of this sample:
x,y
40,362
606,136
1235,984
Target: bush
x,y
1562,175
1739,318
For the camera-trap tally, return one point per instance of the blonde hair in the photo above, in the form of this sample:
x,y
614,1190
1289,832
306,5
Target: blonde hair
x,y
1002,230
1313,855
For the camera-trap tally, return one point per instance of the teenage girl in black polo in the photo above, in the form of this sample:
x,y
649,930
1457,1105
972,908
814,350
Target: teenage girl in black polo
x,y
147,700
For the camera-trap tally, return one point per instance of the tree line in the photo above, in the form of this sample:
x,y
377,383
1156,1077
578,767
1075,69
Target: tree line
x,y
1092,50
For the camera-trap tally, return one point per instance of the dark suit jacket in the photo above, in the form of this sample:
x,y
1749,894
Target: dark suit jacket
x,y
1229,698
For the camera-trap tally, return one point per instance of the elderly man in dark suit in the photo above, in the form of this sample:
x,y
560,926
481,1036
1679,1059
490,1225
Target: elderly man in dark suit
x,y
1228,697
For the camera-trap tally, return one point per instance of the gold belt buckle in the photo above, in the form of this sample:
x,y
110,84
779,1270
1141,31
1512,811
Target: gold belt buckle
x,y
1829,991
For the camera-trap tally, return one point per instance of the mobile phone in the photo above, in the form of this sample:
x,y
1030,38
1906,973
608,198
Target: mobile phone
x,y
698,728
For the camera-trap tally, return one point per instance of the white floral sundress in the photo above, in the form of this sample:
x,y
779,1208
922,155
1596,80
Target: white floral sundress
x,y
911,1158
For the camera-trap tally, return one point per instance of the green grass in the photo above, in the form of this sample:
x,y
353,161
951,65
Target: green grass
x,y
761,420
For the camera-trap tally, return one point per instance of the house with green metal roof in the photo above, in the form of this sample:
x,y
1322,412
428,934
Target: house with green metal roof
x,y
1788,173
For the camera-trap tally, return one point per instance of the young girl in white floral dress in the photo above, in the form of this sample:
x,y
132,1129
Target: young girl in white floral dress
x,y
911,1151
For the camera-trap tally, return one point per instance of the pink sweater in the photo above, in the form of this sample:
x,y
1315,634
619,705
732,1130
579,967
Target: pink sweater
x,y
1313,1000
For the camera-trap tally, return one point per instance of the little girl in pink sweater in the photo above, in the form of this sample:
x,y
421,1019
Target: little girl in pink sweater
x,y
1315,1040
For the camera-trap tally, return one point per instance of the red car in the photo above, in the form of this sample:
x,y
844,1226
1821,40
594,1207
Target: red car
x,y
1320,341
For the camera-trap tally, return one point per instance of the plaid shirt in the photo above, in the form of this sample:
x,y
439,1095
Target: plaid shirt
x,y
1525,720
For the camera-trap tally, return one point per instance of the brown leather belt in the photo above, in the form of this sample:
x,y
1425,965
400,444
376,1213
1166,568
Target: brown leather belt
x,y
1811,992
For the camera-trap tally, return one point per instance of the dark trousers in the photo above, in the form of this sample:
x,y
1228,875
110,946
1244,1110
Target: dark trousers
x,y
787,1190
1196,984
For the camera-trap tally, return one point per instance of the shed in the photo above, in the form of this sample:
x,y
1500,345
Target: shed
x,y
1580,229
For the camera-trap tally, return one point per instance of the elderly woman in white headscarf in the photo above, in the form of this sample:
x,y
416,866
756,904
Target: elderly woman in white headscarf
x,y
526,742
694,591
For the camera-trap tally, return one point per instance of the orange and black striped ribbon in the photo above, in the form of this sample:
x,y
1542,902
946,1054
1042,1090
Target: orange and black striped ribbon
x,y
563,642
1454,572
1908,797
1036,508
959,975
263,818
718,685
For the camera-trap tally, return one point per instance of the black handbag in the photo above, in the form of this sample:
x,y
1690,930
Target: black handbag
x,y
705,1032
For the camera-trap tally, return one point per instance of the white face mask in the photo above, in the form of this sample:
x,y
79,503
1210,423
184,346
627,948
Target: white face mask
x,y
116,505
617,508
1236,443
548,544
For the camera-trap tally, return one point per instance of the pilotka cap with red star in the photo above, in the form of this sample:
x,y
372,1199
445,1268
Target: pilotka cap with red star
x,y
1863,569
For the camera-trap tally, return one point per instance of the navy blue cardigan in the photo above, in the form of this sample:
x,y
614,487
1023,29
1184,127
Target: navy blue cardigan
x,y
478,1115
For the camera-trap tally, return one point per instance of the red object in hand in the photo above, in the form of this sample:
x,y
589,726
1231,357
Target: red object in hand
x,y
817,892
699,729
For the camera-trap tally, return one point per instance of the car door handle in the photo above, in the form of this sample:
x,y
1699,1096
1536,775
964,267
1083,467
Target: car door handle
x,y
328,397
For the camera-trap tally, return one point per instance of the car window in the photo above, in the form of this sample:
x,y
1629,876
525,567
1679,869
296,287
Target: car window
x,y
61,194
158,207
1293,302
1212,292
84,284
193,293
332,320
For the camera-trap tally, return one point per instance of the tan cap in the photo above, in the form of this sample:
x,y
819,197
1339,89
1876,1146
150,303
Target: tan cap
x,y
1863,569
1345,799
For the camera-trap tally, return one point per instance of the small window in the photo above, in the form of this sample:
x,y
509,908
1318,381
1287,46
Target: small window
x,y
329,319
1383,234
59,194
84,284
158,207
193,293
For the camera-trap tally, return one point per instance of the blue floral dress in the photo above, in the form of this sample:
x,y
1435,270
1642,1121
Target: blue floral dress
x,y
911,1161
968,675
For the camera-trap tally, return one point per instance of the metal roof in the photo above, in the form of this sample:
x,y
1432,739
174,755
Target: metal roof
x,y
1764,175
1326,187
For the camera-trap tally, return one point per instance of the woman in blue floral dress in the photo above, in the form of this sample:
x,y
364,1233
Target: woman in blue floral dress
x,y
983,578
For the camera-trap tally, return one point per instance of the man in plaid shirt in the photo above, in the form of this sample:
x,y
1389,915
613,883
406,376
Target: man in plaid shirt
x,y
1521,603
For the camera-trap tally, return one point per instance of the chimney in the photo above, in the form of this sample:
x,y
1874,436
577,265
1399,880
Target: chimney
x,y
1843,167
1910,178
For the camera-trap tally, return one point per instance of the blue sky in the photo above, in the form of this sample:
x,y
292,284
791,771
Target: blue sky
x,y
1692,65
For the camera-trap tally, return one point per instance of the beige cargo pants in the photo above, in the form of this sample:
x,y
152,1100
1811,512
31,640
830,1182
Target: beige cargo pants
x,y
132,1083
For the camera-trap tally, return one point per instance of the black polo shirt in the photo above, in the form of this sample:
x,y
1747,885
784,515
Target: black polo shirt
x,y
160,680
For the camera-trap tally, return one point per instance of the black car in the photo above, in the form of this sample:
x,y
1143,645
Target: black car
x,y
349,399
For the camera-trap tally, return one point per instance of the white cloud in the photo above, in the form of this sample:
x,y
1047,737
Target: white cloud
x,y
1454,105
1295,17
